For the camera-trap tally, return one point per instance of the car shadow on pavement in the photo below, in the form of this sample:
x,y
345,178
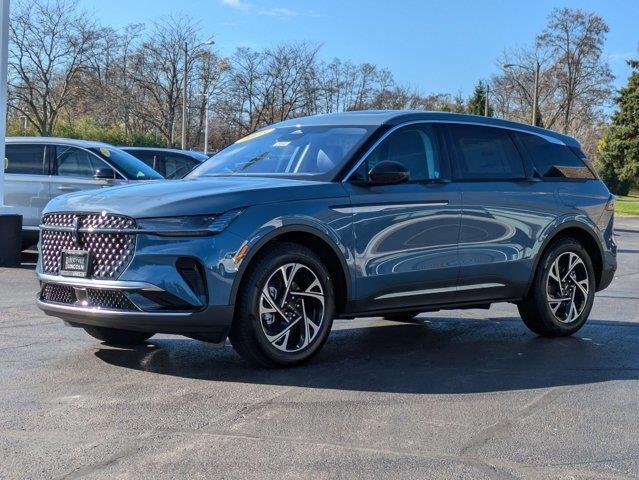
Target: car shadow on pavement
x,y
437,356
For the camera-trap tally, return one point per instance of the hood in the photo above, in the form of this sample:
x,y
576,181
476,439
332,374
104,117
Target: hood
x,y
199,196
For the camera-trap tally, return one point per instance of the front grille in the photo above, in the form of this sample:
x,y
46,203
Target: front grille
x,y
109,253
88,298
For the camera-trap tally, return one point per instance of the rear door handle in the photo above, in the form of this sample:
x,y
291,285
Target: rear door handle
x,y
65,188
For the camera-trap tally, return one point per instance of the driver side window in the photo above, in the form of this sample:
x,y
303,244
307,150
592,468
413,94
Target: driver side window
x,y
75,162
414,146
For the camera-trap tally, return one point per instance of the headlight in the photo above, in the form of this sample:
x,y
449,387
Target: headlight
x,y
195,225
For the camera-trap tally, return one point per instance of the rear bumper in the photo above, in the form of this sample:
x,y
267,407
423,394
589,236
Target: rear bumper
x,y
608,270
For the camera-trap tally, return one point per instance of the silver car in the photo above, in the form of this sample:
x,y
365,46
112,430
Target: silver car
x,y
38,169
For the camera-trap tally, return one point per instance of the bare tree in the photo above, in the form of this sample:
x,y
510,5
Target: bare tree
x,y
51,44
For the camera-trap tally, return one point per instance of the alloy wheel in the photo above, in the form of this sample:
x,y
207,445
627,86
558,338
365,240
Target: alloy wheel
x,y
291,308
567,287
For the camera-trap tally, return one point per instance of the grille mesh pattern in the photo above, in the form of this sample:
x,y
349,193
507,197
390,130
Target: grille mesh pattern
x,y
110,253
108,299
58,293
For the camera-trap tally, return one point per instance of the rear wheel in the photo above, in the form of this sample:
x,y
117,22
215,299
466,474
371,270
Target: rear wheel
x,y
116,336
284,309
563,291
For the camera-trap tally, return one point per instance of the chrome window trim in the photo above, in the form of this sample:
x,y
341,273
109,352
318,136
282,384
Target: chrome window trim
x,y
548,138
98,284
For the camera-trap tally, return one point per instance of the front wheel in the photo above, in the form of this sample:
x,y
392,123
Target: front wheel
x,y
563,291
116,336
284,309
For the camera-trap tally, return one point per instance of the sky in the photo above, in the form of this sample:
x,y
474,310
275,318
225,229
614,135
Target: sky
x,y
434,46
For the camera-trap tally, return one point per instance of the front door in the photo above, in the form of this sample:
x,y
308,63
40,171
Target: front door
x,y
406,234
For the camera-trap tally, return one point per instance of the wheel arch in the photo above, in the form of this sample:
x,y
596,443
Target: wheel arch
x,y
580,231
313,239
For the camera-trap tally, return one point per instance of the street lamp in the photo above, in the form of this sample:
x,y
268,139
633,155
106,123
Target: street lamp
x,y
535,95
185,84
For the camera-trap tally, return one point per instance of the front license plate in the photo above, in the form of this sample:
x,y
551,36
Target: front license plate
x,y
74,263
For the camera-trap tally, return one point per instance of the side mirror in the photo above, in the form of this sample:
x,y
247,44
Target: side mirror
x,y
104,174
388,172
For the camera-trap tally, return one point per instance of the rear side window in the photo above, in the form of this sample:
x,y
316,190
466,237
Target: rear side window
x,y
25,159
485,153
553,160
176,166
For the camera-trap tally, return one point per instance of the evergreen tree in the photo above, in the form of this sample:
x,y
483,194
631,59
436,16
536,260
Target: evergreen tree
x,y
477,102
619,148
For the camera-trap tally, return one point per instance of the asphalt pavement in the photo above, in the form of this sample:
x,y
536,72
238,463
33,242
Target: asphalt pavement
x,y
458,394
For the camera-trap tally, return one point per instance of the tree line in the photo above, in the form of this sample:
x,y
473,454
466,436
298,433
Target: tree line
x,y
70,75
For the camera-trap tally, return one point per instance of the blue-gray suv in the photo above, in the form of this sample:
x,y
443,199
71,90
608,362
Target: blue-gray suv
x,y
365,213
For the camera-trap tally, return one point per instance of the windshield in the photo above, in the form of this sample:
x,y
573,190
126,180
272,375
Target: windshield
x,y
130,166
311,152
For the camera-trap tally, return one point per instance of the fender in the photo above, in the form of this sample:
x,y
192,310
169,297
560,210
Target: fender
x,y
277,232
555,229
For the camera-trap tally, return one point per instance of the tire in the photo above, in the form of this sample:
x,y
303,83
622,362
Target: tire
x,y
556,318
401,316
116,336
258,329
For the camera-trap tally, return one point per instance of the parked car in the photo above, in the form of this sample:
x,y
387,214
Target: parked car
x,y
168,162
337,216
40,168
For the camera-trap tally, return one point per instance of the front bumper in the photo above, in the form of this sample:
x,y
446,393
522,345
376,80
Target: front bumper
x,y
152,274
211,324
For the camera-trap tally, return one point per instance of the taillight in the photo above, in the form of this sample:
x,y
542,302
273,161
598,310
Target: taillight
x,y
610,206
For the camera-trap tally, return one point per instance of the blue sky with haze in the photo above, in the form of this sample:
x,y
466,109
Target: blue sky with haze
x,y
436,46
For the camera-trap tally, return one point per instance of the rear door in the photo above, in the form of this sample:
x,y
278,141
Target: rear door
x,y
26,181
406,234
74,169
504,211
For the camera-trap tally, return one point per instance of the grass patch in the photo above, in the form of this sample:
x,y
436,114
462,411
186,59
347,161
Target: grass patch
x,y
627,205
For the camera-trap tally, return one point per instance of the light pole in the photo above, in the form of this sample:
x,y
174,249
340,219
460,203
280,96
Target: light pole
x,y
186,84
10,221
535,94
206,120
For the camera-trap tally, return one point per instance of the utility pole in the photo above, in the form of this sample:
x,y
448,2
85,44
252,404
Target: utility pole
x,y
535,94
486,100
185,84
206,125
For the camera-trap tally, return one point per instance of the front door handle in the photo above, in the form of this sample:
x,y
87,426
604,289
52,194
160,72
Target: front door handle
x,y
65,188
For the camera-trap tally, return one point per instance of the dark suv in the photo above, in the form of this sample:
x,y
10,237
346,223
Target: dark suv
x,y
168,162
336,216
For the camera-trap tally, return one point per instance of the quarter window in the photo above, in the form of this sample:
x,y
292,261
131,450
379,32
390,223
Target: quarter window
x,y
552,160
414,146
75,162
485,153
25,159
